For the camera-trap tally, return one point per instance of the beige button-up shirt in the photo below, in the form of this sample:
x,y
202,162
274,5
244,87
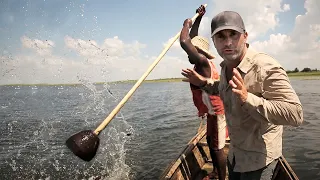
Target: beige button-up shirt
x,y
255,128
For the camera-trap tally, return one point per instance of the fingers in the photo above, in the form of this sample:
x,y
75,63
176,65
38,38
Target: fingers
x,y
237,91
201,10
232,84
186,72
237,82
237,74
235,88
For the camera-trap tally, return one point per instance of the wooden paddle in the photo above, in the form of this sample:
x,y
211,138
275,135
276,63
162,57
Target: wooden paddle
x,y
84,144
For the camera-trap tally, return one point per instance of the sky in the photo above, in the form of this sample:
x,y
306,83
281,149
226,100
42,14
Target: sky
x,y
60,41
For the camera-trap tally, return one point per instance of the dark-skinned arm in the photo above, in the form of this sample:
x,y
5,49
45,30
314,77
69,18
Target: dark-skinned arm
x,y
195,27
185,40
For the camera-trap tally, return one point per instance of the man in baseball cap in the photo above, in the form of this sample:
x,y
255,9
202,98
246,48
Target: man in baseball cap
x,y
229,24
257,96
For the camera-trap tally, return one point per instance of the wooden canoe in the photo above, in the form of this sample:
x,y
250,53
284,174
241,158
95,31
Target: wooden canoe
x,y
194,162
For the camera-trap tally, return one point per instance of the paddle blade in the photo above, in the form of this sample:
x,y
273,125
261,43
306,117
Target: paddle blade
x,y
84,144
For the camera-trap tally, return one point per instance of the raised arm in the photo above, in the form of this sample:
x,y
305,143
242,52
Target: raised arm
x,y
185,39
195,27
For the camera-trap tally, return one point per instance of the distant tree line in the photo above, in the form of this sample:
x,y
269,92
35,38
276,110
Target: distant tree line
x,y
306,69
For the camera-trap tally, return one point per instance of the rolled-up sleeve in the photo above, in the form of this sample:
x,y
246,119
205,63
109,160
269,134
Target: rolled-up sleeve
x,y
279,103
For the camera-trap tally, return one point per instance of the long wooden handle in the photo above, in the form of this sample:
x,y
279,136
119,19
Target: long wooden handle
x,y
138,83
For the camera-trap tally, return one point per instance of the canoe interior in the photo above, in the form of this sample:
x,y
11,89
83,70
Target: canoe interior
x,y
194,162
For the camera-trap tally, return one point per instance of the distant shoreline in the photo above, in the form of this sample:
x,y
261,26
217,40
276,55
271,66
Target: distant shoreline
x,y
97,83
303,75
300,74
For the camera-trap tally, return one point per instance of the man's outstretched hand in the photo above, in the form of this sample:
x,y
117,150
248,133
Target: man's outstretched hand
x,y
238,86
193,77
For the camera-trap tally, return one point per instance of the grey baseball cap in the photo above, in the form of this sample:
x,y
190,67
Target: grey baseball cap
x,y
227,20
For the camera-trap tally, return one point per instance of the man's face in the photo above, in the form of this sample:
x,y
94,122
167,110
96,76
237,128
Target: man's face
x,y
230,44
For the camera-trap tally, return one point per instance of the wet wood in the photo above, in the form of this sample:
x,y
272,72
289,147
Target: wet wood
x,y
195,162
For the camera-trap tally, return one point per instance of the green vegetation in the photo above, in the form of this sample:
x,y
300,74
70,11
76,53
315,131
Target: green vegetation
x,y
305,72
317,73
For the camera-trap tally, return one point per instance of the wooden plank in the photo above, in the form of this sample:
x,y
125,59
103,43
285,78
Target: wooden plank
x,y
192,162
174,165
289,169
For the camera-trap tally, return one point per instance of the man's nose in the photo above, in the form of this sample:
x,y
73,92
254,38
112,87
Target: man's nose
x,y
228,42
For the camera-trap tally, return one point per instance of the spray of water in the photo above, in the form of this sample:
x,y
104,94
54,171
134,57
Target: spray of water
x,y
112,146
37,125
36,121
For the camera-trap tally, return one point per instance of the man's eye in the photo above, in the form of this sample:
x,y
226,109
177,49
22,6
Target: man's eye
x,y
220,36
233,33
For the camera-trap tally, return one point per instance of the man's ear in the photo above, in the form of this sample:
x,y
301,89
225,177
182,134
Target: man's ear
x,y
213,41
245,36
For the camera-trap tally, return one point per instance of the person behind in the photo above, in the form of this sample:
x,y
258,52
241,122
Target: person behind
x,y
257,96
211,106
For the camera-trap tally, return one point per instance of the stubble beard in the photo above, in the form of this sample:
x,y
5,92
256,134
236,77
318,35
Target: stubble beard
x,y
233,57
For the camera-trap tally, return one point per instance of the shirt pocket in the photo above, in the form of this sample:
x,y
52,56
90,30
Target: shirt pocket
x,y
254,83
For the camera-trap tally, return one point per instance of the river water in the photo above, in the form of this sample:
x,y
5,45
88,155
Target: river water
x,y
149,131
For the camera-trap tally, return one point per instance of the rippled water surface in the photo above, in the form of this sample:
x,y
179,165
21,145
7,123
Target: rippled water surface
x,y
149,131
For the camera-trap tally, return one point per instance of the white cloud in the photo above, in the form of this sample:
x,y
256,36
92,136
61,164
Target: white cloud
x,y
135,47
169,66
286,7
276,44
175,45
42,47
112,60
301,47
85,48
111,48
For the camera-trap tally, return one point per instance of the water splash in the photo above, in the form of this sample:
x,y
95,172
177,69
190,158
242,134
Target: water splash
x,y
112,146
37,125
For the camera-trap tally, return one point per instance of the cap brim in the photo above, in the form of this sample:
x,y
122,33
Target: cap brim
x,y
240,30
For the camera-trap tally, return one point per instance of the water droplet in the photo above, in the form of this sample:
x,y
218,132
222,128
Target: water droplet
x,y
36,133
